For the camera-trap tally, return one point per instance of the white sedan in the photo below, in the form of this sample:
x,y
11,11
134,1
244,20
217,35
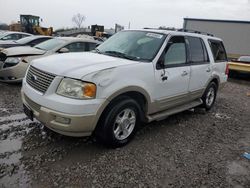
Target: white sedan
x,y
15,61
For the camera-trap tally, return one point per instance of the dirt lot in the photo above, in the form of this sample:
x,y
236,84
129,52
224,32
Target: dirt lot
x,y
190,149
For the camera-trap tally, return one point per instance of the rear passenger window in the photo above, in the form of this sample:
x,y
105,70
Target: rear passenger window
x,y
218,50
76,47
198,51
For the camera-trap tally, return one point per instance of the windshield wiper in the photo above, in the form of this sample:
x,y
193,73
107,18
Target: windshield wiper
x,y
98,51
38,48
122,55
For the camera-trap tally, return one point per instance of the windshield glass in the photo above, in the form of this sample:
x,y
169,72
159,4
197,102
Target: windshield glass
x,y
50,44
134,45
2,35
24,40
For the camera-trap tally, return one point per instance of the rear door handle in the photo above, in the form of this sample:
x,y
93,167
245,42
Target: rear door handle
x,y
184,73
208,69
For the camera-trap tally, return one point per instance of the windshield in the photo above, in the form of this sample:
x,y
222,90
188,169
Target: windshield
x,y
50,44
134,45
2,35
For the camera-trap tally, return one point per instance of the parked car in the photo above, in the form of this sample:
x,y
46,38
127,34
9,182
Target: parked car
x,y
241,65
27,41
15,61
135,76
13,35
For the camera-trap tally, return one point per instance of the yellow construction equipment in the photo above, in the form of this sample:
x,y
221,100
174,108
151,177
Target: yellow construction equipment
x,y
31,24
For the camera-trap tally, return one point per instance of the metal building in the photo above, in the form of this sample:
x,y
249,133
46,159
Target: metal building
x,y
235,34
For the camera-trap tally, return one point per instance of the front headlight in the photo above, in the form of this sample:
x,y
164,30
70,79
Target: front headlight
x,y
13,60
76,89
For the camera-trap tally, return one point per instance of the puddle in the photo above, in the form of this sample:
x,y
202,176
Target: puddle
x,y
10,145
11,159
19,179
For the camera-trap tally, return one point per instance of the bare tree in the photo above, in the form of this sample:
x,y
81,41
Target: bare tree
x,y
78,19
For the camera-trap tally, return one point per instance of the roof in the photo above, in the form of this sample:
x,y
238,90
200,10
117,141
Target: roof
x,y
214,20
37,37
9,32
167,32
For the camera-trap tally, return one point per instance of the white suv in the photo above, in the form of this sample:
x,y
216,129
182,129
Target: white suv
x,y
135,76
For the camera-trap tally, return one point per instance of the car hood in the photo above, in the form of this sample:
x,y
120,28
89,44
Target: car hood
x,y
77,65
23,50
7,42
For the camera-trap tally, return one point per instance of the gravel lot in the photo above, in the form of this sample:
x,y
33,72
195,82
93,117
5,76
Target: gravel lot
x,y
190,149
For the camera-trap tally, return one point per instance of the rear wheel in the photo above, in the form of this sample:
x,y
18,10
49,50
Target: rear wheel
x,y
119,123
209,96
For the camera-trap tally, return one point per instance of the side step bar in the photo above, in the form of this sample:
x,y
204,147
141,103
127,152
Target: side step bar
x,y
164,114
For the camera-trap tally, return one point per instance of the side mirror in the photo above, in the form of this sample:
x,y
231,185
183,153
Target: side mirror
x,y
63,50
160,64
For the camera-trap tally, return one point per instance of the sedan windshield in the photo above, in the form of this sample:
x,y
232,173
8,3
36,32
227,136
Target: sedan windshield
x,y
133,45
50,44
2,35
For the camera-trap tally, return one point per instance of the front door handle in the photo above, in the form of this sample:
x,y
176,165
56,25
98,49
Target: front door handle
x,y
184,73
164,78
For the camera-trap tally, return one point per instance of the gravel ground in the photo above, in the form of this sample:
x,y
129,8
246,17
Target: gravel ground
x,y
190,149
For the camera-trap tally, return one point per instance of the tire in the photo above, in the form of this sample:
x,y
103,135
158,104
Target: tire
x,y
209,96
119,123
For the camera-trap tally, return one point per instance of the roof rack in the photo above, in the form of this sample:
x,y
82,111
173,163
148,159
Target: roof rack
x,y
182,30
194,31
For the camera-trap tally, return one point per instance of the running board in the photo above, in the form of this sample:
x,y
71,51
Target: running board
x,y
164,114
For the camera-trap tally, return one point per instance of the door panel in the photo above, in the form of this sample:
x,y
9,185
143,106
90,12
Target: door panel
x,y
200,74
199,63
172,79
174,90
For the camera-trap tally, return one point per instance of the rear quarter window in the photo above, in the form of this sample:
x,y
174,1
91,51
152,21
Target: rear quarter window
x,y
218,50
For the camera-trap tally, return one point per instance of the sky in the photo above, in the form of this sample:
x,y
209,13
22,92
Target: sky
x,y
140,13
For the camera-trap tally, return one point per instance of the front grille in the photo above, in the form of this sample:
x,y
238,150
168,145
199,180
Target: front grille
x,y
39,80
32,104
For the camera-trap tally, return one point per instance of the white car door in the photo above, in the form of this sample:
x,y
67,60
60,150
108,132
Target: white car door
x,y
201,69
172,75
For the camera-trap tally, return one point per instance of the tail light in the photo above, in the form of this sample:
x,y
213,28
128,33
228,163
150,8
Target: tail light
x,y
227,69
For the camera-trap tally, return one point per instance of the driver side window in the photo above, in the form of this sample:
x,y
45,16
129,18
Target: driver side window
x,y
175,54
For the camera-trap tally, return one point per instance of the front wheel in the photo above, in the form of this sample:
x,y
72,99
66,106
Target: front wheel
x,y
120,122
209,96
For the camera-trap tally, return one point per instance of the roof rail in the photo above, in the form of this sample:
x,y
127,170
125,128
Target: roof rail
x,y
182,30
194,31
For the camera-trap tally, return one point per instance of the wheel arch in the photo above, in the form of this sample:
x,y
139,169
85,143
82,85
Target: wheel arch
x,y
138,94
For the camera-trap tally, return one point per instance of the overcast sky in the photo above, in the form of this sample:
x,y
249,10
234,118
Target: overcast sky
x,y
141,13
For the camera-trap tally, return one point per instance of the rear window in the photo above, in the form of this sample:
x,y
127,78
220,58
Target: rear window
x,y
218,50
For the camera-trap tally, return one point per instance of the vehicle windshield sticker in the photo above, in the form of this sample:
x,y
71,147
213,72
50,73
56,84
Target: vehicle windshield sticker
x,y
154,35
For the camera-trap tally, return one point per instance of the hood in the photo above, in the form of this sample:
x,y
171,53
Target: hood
x,y
22,50
77,65
7,42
